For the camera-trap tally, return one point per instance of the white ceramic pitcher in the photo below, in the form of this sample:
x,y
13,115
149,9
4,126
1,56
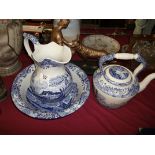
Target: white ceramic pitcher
x,y
50,80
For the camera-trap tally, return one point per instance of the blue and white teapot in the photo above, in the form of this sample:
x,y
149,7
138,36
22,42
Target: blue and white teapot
x,y
51,81
114,85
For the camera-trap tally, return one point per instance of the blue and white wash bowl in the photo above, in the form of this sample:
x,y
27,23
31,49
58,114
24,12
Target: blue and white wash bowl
x,y
57,109
114,85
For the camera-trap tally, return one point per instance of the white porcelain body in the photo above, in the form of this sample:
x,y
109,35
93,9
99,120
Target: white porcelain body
x,y
109,101
114,85
50,77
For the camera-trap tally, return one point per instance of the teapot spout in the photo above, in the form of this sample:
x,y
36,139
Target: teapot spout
x,y
146,81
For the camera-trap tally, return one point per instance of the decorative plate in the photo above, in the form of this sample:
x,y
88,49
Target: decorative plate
x,y
102,42
22,83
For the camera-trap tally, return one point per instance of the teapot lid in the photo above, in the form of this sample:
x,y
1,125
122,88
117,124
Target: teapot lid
x,y
117,75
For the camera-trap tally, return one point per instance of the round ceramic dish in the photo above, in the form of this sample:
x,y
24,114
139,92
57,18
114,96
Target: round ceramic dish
x,y
102,42
22,83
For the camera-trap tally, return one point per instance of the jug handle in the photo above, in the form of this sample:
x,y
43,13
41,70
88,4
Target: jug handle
x,y
124,56
33,39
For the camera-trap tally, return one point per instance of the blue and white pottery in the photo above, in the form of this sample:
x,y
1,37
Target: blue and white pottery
x,y
78,90
114,85
51,81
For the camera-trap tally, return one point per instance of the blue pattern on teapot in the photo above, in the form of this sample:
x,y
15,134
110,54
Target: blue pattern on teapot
x,y
114,85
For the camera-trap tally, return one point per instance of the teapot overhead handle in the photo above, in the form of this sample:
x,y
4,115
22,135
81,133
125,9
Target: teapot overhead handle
x,y
124,56
33,39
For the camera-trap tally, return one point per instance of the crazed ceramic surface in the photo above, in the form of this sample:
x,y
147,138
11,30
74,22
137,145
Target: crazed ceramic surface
x,y
76,98
101,42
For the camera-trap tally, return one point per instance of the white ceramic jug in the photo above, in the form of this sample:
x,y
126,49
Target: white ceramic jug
x,y
51,81
114,85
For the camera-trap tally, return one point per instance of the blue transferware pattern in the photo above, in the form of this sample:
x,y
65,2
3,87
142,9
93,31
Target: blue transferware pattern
x,y
48,96
22,83
31,37
114,85
116,80
121,76
141,60
111,57
114,90
119,72
64,100
51,88
106,58
42,83
50,77
47,63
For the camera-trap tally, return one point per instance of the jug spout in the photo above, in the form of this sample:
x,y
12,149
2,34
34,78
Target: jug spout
x,y
146,81
51,51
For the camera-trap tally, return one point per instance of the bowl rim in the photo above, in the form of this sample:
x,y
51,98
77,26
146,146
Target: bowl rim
x,y
103,36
